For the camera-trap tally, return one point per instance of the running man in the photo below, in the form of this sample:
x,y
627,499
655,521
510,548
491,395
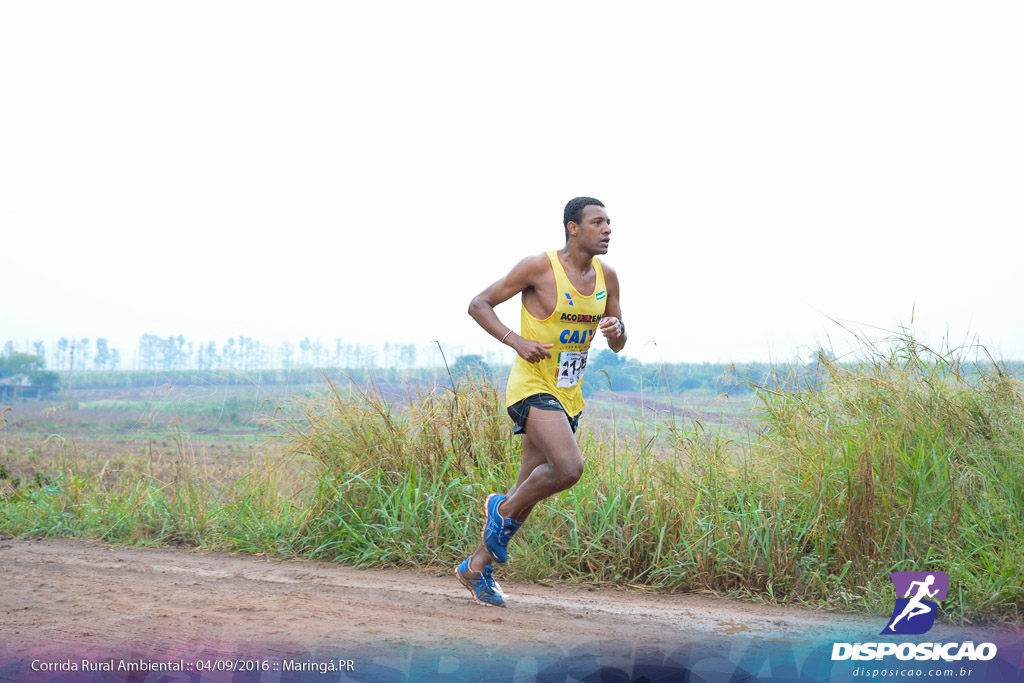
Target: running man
x,y
567,297
915,607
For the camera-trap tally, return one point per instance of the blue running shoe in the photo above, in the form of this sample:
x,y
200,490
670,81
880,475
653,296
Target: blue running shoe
x,y
484,588
497,529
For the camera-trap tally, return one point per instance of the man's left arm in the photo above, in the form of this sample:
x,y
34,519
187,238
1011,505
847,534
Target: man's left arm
x,y
611,325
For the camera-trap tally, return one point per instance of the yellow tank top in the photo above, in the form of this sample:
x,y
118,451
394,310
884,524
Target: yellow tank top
x,y
571,328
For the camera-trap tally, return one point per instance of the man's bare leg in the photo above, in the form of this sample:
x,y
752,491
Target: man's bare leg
x,y
548,432
552,462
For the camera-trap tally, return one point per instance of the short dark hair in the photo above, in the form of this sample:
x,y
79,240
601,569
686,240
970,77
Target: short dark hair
x,y
574,211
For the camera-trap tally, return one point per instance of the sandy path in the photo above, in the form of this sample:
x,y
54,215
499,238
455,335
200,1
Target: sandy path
x,y
61,596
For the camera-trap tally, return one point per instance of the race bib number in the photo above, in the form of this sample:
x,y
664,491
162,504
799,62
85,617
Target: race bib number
x,y
570,367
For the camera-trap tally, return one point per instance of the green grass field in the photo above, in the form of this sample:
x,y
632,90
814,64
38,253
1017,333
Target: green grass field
x,y
808,491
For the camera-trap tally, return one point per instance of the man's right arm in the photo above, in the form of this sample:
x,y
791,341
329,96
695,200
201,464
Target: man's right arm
x,y
522,276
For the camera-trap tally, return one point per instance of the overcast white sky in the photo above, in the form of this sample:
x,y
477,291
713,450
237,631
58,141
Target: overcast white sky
x,y
361,170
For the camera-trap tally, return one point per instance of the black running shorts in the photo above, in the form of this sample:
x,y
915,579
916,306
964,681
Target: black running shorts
x,y
519,411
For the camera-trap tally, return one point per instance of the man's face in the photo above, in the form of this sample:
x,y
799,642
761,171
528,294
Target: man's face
x,y
595,229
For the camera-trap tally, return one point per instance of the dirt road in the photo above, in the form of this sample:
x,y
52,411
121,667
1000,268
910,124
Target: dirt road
x,y
66,599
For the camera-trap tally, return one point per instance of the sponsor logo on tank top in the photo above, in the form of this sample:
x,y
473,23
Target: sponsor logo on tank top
x,y
580,318
568,299
577,336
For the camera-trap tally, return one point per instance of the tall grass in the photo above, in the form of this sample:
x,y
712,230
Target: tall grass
x,y
149,501
909,459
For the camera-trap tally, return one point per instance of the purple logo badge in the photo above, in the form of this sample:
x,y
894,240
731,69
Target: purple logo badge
x,y
914,613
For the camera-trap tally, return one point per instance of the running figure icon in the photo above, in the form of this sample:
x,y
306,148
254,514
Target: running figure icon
x,y
915,606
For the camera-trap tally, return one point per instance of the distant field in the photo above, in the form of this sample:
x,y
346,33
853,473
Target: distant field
x,y
221,430
226,424
634,411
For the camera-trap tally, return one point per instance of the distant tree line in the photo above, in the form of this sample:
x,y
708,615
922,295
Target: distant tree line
x,y
155,352
242,359
15,363
616,372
